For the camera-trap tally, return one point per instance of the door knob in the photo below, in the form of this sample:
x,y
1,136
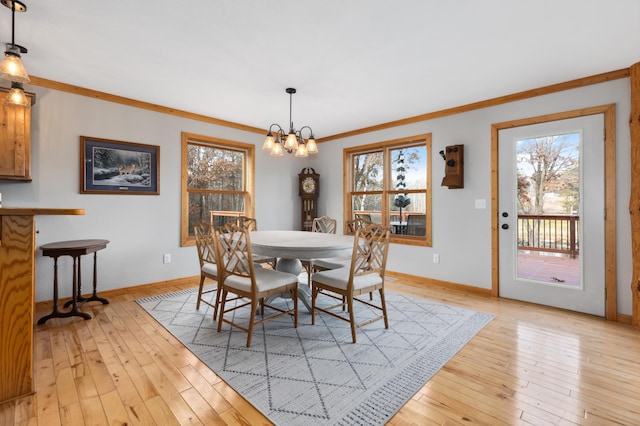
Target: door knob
x,y
505,226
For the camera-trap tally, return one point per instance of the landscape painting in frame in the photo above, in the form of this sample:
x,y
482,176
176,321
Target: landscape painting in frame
x,y
114,167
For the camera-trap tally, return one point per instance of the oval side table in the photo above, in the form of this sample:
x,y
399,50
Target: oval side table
x,y
75,249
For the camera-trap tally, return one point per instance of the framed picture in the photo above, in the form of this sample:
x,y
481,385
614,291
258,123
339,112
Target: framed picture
x,y
115,167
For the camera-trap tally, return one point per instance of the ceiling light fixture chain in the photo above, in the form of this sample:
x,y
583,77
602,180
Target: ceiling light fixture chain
x,y
277,143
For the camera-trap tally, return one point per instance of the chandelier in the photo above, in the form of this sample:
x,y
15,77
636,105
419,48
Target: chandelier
x,y
277,141
11,67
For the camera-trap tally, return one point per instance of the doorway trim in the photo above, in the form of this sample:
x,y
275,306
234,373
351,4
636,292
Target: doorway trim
x,y
609,112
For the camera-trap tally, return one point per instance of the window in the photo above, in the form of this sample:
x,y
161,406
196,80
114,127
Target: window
x,y
217,176
389,183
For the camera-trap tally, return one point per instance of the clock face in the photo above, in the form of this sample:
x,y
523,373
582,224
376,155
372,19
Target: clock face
x,y
309,185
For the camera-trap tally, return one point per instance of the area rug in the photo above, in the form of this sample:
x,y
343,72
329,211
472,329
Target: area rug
x,y
313,374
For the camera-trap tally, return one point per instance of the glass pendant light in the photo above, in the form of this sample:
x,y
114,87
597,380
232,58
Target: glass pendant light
x,y
11,67
16,96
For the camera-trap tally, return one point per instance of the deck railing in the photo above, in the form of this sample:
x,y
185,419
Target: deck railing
x,y
551,233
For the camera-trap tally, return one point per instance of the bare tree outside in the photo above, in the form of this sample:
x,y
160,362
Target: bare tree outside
x,y
215,181
548,165
368,175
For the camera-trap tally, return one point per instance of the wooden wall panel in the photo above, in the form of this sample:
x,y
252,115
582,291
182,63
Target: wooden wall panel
x,y
634,202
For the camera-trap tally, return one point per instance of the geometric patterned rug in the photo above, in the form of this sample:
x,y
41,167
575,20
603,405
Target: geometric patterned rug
x,y
314,375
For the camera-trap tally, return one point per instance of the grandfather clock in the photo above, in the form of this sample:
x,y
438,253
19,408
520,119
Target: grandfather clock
x,y
309,186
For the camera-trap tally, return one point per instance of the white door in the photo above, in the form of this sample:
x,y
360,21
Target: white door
x,y
551,207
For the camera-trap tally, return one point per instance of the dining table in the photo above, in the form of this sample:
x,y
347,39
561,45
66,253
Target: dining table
x,y
292,246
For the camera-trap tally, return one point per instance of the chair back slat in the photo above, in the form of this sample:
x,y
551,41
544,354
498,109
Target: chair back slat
x,y
371,245
219,218
353,225
324,224
248,223
234,250
204,243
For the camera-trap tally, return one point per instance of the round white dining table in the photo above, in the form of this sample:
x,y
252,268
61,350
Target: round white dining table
x,y
291,246
300,244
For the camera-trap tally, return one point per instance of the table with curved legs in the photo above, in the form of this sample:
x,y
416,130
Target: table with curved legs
x,y
291,246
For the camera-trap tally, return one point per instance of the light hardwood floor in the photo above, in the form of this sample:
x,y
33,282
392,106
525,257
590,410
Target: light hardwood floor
x,y
530,365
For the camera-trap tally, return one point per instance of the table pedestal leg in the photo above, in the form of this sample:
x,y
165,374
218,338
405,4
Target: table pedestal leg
x,y
94,296
290,266
293,266
74,310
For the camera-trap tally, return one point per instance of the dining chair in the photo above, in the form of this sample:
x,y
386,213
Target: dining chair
x,y
220,217
251,224
364,275
364,216
417,224
352,225
239,277
326,225
207,258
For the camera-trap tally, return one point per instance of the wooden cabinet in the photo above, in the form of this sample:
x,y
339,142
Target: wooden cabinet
x,y
15,140
17,280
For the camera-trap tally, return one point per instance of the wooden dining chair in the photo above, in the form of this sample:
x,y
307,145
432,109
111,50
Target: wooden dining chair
x,y
220,217
417,224
251,224
326,225
352,225
207,258
364,275
364,216
254,286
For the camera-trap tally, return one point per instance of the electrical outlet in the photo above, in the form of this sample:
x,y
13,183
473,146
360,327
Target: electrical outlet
x,y
166,258
436,258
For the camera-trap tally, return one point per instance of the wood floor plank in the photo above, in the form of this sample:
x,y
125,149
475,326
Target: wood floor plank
x,y
66,387
114,409
242,413
452,407
7,414
25,411
430,412
161,412
100,372
477,399
90,403
201,407
47,406
135,407
206,389
171,395
72,415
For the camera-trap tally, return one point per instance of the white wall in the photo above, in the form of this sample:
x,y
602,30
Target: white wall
x,y
143,227
462,233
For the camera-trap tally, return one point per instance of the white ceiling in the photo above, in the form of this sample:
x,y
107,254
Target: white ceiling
x,y
355,63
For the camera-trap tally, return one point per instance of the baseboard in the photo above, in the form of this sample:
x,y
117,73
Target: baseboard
x,y
438,283
136,291
624,319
